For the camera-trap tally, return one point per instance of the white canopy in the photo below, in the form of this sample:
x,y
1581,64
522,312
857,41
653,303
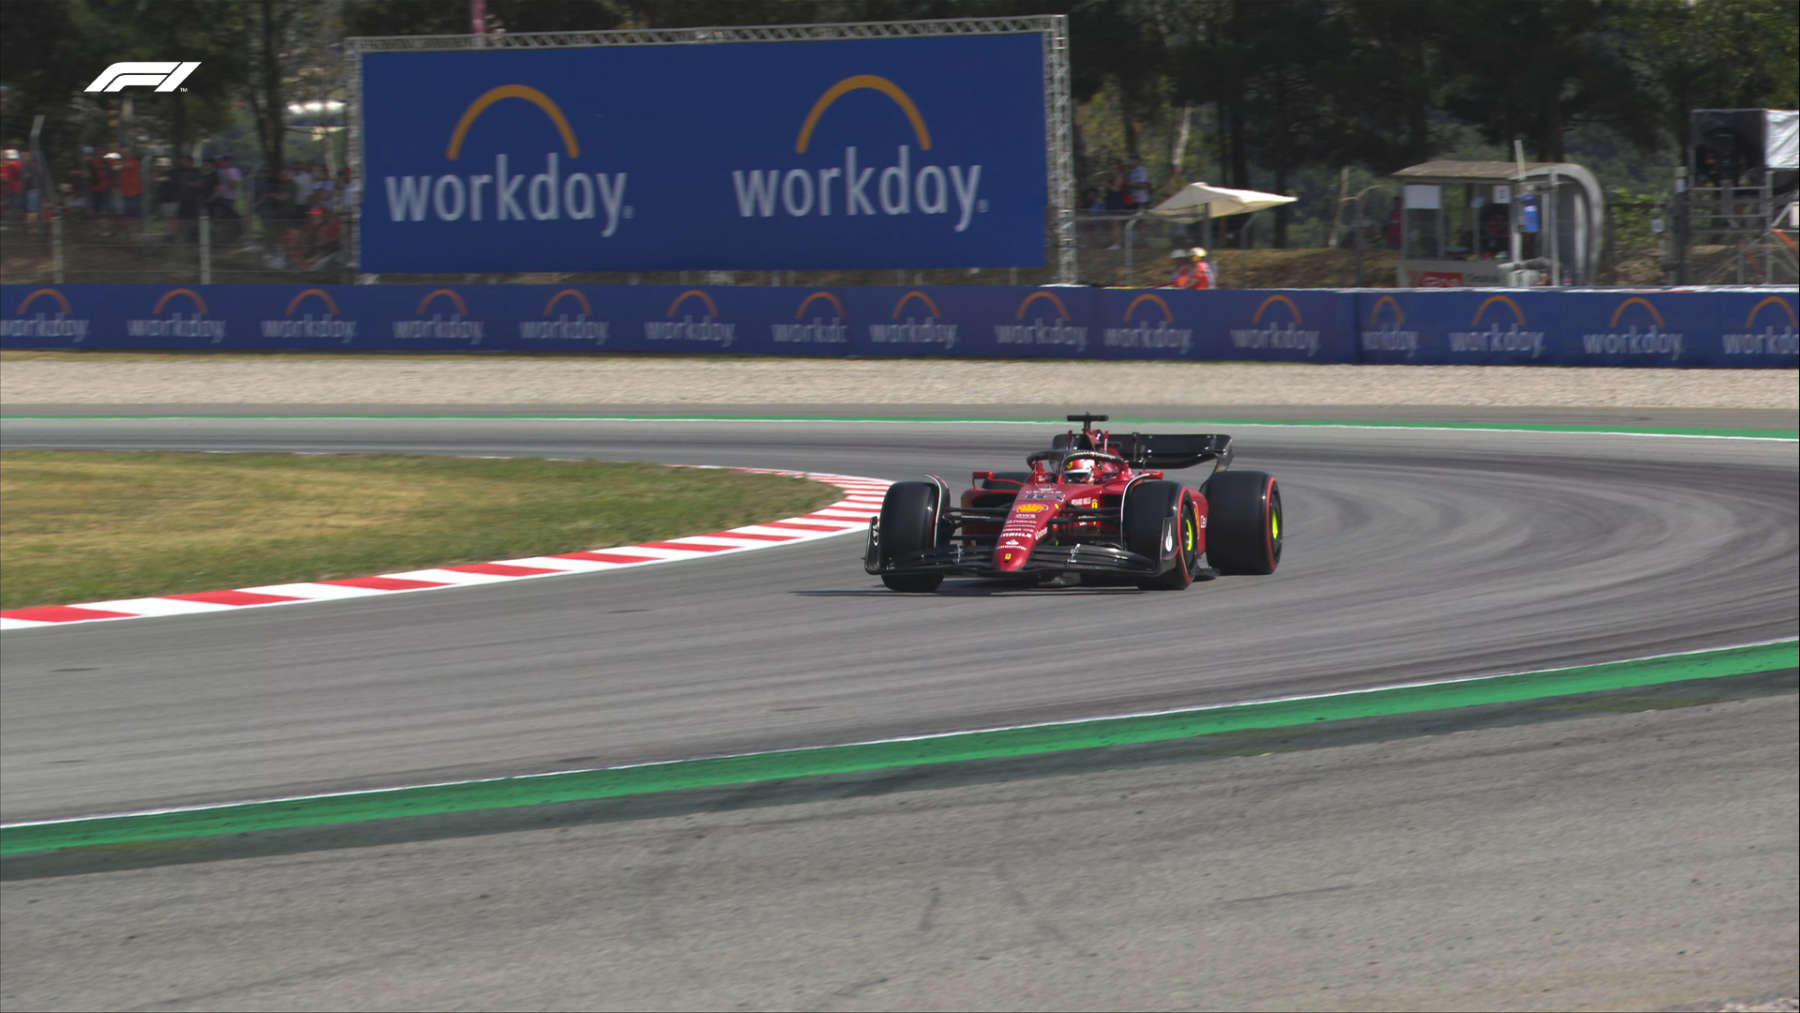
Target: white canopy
x,y
1198,201
1781,138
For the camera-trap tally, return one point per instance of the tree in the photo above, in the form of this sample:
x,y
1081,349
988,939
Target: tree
x,y
1722,54
49,52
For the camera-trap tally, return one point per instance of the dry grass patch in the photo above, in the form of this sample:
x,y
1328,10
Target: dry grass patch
x,y
86,526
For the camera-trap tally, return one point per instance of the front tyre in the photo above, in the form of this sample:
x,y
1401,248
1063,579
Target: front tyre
x,y
909,524
1244,524
1162,521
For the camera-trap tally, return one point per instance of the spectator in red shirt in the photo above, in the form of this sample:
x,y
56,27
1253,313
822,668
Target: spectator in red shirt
x,y
12,183
99,185
131,185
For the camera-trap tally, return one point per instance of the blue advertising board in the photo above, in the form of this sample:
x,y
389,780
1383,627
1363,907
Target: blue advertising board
x,y
1725,327
1731,328
872,153
1288,325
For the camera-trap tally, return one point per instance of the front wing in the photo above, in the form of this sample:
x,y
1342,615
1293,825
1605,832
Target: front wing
x,y
977,560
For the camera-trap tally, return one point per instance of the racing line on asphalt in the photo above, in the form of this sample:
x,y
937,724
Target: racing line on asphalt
x,y
844,516
981,744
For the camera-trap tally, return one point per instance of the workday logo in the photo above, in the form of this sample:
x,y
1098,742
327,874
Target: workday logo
x,y
914,330
854,185
195,325
1516,338
325,324
54,319
1147,325
708,329
448,320
1277,326
511,191
1651,340
160,75
818,329
563,327
1767,341
1387,331
1049,324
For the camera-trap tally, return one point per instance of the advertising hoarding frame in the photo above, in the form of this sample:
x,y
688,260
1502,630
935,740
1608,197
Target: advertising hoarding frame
x,y
1052,28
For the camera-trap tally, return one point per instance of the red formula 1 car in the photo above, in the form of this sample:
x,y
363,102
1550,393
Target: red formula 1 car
x,y
1094,507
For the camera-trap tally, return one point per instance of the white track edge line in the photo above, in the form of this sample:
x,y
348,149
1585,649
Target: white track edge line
x,y
1170,712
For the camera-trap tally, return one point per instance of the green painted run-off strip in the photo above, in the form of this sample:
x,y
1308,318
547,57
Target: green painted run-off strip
x,y
576,786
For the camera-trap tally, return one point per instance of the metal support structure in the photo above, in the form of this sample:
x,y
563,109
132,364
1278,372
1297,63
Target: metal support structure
x,y
1060,149
56,247
205,249
1131,245
1059,154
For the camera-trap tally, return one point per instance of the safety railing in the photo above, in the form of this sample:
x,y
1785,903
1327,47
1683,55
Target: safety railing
x,y
67,246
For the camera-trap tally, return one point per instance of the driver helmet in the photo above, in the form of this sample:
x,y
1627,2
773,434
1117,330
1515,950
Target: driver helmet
x,y
1078,469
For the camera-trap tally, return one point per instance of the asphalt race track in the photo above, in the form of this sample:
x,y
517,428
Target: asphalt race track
x,y
1530,864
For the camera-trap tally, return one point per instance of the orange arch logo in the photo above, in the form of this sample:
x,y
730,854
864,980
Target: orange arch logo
x,y
506,91
836,304
1272,300
587,308
858,82
1504,300
910,296
1154,299
330,303
462,308
172,293
1049,297
1641,301
712,308
1748,320
1387,300
61,300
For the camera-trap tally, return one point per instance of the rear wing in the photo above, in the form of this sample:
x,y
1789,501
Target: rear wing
x,y
1171,451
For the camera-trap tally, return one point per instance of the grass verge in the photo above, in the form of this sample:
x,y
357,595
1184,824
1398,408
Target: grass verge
x,y
90,526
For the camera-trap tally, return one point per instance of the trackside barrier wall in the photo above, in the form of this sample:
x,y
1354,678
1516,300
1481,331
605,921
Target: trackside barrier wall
x,y
1721,327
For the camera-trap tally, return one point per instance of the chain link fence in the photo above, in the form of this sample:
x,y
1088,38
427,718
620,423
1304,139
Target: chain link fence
x,y
247,243
71,244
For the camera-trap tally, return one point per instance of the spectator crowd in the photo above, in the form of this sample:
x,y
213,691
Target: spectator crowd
x,y
293,215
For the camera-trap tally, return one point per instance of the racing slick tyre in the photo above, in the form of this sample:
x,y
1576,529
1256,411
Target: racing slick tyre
x,y
909,522
1160,519
1244,524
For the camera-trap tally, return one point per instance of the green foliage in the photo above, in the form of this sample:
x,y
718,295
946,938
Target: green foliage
x,y
1273,94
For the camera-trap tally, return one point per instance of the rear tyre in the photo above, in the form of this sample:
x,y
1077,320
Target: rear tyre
x,y
1244,524
1162,520
909,523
